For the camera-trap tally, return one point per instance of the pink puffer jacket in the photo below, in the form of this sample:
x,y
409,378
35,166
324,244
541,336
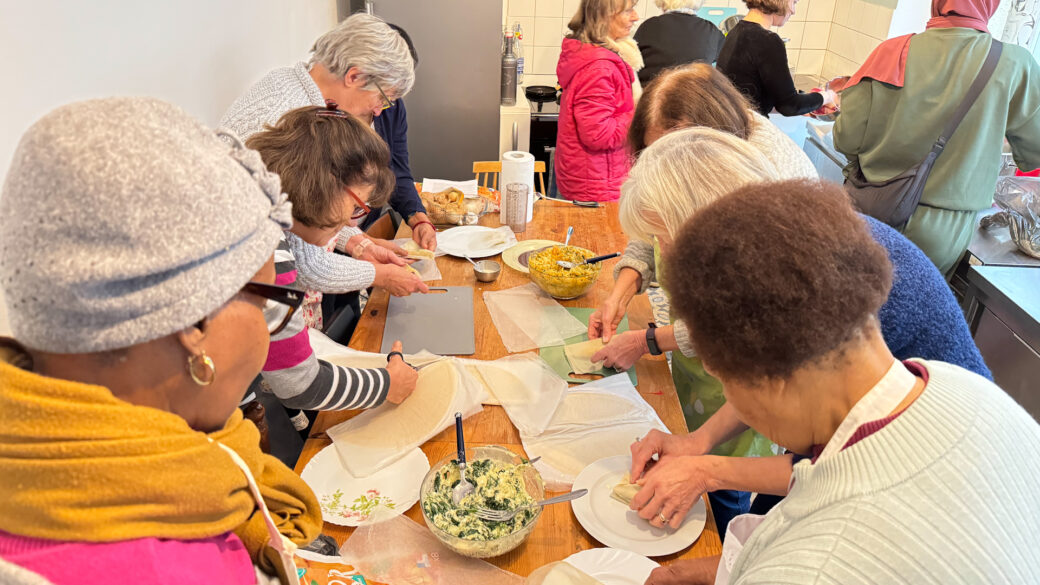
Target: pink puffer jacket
x,y
592,158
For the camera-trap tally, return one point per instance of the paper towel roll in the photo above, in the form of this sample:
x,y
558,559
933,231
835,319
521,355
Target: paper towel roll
x,y
518,167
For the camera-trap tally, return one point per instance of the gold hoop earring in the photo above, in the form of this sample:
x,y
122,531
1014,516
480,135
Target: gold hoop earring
x,y
207,362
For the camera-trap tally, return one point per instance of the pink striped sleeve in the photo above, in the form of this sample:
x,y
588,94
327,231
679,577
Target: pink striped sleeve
x,y
286,353
286,278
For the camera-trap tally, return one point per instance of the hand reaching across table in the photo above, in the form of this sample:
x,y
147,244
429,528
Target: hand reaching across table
x,y
399,280
423,231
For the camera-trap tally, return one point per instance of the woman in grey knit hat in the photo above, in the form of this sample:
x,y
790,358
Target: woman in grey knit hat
x,y
136,255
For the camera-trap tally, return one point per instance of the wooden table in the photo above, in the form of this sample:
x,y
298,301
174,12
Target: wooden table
x,y
558,534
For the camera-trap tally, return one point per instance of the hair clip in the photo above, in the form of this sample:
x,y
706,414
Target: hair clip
x,y
332,109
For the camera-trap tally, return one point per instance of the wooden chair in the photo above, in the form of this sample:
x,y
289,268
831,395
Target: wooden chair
x,y
486,173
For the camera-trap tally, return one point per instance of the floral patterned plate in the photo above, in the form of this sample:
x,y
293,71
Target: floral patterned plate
x,y
350,501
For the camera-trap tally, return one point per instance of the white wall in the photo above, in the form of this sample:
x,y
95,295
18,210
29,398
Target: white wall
x,y
199,54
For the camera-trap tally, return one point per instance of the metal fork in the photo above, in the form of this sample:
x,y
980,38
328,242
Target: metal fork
x,y
507,515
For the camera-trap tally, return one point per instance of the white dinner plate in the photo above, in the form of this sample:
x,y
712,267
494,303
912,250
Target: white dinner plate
x,y
475,241
511,257
350,501
612,566
612,523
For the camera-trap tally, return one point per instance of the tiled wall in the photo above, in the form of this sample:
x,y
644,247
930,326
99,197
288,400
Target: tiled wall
x,y
825,37
858,27
545,23
808,32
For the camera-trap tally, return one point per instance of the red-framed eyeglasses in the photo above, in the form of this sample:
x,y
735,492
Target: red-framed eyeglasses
x,y
362,209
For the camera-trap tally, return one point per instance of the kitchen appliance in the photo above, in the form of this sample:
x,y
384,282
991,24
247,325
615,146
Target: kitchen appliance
x,y
545,117
540,94
453,111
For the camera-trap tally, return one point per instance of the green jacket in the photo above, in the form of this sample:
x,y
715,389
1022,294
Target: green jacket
x,y
891,129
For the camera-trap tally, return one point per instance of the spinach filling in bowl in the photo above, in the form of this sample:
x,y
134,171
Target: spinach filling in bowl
x,y
499,486
503,480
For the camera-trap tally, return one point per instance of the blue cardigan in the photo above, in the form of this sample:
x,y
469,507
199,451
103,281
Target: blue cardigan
x,y
921,317
392,127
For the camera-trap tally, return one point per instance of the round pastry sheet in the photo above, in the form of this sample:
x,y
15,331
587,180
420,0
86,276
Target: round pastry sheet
x,y
350,501
612,523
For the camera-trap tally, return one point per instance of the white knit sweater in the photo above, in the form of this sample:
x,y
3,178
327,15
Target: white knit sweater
x,y
947,493
281,90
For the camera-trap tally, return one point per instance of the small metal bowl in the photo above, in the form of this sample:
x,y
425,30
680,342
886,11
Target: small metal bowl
x,y
487,270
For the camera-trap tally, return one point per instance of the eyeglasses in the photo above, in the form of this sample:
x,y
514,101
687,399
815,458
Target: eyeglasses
x,y
281,303
362,208
387,102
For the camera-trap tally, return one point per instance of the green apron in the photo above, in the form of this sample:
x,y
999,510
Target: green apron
x,y
700,396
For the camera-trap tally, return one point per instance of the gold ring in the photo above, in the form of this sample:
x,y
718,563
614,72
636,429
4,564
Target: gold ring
x,y
663,519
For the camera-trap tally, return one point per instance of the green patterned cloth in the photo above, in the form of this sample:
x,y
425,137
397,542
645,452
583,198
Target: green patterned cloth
x,y
701,396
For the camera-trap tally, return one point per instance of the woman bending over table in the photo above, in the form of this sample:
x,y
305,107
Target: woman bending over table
x,y
678,175
698,95
333,167
920,470
139,323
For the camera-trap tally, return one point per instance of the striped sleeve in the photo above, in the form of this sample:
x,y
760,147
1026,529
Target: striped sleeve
x,y
299,379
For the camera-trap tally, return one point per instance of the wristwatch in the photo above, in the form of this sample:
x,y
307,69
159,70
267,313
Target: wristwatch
x,y
651,339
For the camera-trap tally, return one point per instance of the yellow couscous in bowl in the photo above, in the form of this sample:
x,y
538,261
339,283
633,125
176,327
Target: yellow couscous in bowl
x,y
558,281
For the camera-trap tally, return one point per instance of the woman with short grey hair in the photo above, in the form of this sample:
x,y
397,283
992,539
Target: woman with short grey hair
x,y
675,38
365,67
366,42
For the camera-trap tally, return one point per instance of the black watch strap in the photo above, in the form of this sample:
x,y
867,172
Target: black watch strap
x,y
651,339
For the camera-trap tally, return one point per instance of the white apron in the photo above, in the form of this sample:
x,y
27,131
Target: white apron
x,y
281,545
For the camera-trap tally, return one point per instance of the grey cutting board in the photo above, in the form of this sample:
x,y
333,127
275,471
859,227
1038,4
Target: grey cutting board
x,y
441,323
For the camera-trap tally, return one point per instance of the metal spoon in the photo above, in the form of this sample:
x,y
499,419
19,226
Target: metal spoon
x,y
470,261
570,265
464,487
570,232
507,515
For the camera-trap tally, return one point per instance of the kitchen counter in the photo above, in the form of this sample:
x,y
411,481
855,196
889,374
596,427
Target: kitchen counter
x,y
1005,322
819,145
993,247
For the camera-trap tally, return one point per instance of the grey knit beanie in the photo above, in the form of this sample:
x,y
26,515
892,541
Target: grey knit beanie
x,y
123,220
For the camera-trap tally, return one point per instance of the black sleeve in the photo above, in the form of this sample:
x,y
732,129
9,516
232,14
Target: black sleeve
x,y
720,39
394,131
777,82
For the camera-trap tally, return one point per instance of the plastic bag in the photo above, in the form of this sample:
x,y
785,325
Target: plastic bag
x,y
315,569
378,437
1019,200
401,551
527,318
597,420
526,387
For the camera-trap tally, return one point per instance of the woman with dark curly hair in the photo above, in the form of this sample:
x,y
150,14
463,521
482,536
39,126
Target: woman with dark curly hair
x,y
673,179
781,285
755,60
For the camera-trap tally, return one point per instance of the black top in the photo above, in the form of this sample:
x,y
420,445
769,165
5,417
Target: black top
x,y
674,39
755,60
